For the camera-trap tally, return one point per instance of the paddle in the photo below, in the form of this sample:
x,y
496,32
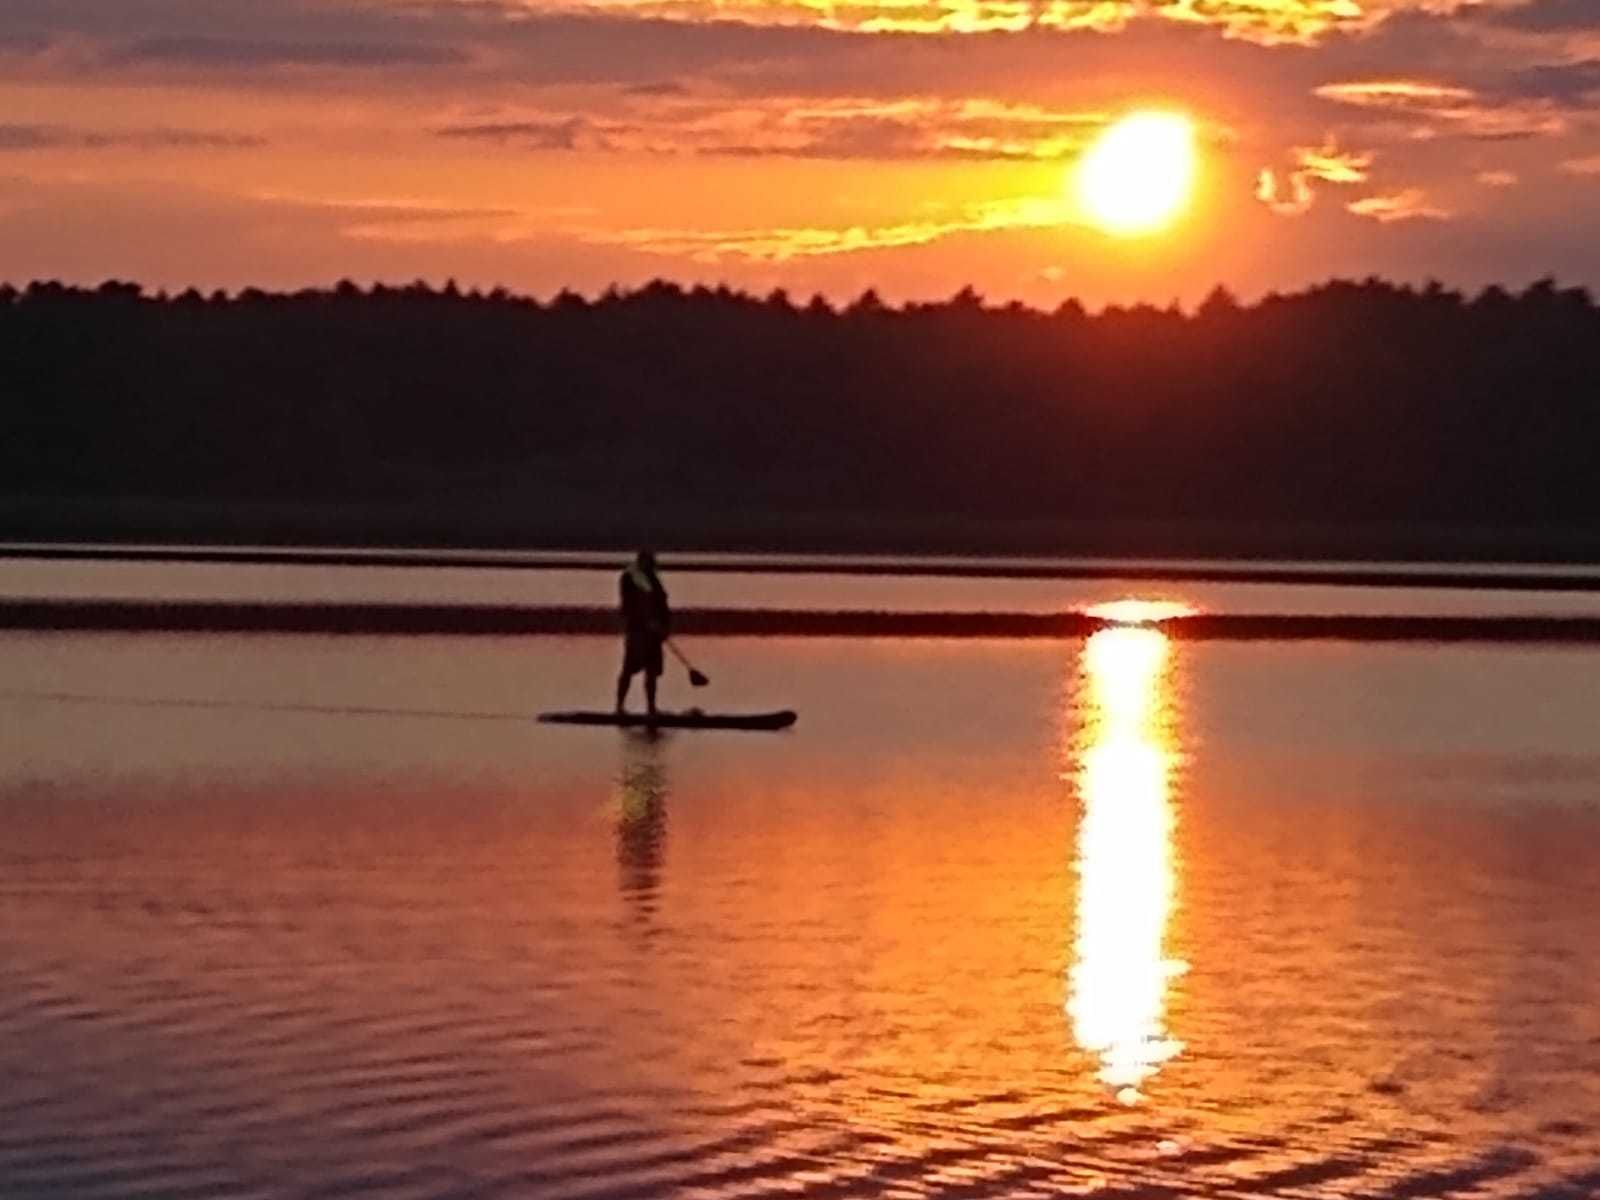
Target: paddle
x,y
696,678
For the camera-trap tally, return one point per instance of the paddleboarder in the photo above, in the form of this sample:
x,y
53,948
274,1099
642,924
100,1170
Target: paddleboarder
x,y
647,620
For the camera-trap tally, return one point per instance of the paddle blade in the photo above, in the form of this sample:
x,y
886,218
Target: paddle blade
x,y
697,679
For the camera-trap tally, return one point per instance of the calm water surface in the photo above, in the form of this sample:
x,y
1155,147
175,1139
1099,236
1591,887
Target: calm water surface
x,y
1121,919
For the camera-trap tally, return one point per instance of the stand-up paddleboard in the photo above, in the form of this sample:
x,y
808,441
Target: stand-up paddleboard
x,y
676,720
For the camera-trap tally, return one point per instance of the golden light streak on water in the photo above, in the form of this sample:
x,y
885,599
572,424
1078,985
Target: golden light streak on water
x,y
1125,759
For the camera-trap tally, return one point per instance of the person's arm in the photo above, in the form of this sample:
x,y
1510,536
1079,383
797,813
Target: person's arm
x,y
625,591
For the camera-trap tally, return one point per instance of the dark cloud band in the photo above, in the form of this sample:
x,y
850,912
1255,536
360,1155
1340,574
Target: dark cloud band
x,y
16,137
239,53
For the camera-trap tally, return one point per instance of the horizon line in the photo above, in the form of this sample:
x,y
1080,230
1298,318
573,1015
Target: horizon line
x,y
868,300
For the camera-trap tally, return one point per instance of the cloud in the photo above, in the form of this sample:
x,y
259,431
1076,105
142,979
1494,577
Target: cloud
x,y
911,17
1409,205
1548,16
1582,166
246,54
918,129
1443,108
439,228
778,245
1293,202
839,129
1268,22
89,38
789,243
1299,21
1566,83
17,137
668,87
638,42
552,133
796,46
1332,165
411,221
1498,179
478,40
1293,195
1397,93
389,208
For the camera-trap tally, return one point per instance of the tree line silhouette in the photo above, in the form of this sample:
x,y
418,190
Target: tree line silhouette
x,y
1351,403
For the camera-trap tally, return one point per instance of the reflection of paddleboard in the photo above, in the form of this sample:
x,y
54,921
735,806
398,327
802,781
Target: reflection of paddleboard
x,y
694,719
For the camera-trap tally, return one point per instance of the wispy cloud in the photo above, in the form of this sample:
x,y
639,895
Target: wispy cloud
x,y
1332,165
927,17
1440,108
570,132
1289,197
1274,21
1576,82
22,137
844,129
407,220
1548,16
1409,205
1265,21
665,87
1582,166
1498,179
1397,93
786,244
1292,194
441,228
244,53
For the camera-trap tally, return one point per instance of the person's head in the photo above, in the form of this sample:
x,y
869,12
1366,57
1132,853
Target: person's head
x,y
646,560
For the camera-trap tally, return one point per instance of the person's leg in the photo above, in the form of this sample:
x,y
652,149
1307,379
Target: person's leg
x,y
651,665
623,681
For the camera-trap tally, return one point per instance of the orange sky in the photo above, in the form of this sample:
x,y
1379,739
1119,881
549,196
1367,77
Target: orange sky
x,y
910,146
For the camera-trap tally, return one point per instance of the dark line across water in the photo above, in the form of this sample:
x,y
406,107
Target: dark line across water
x,y
397,619
335,710
1509,578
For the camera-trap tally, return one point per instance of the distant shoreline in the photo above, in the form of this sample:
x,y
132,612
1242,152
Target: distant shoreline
x,y
470,620
456,531
1500,577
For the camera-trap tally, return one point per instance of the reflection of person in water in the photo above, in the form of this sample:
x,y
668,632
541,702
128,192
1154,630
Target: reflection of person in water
x,y
641,821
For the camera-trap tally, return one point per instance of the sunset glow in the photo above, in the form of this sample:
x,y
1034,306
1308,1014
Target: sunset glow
x,y
1106,151
1139,176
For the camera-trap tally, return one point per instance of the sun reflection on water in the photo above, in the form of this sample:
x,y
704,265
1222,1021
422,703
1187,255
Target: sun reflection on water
x,y
1124,762
1140,612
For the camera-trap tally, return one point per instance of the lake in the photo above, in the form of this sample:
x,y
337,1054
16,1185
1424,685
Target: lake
x,y
1131,917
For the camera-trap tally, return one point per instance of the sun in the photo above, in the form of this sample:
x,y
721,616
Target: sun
x,y
1139,176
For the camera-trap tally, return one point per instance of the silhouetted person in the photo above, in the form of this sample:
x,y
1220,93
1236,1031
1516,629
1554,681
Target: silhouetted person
x,y
646,621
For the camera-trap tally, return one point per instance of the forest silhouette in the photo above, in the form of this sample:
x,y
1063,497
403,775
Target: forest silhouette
x,y
714,416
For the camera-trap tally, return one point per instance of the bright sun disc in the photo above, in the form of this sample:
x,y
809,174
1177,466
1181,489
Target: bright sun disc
x,y
1140,173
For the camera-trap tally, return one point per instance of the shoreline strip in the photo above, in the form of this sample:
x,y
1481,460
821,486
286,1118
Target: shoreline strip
x,y
472,620
1491,577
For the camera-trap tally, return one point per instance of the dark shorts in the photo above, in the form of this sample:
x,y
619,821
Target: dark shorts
x,y
641,652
